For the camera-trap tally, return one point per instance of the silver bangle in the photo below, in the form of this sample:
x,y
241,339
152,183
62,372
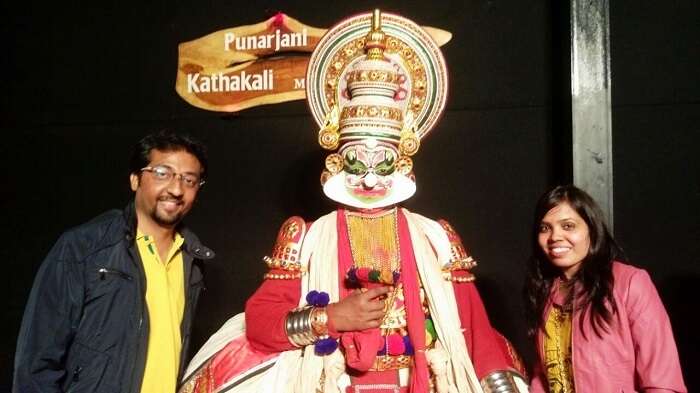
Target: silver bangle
x,y
298,327
500,381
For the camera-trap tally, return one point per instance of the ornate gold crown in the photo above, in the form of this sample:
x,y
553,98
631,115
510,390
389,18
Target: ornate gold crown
x,y
376,76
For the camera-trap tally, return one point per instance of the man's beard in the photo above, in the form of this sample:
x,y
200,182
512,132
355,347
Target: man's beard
x,y
165,219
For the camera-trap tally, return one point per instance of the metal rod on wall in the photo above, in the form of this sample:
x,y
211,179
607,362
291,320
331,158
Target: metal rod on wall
x,y
590,101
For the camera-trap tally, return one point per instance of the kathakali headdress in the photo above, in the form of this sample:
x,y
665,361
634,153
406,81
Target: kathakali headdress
x,y
376,85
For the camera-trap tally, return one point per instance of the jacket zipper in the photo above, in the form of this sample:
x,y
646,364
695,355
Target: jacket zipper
x,y
104,271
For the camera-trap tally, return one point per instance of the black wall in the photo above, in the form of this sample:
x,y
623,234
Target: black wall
x,y
656,136
82,83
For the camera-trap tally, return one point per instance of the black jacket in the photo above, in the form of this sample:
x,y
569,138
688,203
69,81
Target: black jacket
x,y
85,327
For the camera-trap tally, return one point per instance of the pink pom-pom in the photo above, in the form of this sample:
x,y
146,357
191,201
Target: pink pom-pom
x,y
395,344
362,274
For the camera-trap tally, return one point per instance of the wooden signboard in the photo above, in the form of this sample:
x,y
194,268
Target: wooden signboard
x,y
241,67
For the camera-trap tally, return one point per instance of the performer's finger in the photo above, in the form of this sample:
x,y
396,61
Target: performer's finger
x,y
375,315
375,305
376,292
374,323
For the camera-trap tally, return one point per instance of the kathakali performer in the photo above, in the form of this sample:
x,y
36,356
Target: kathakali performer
x,y
370,298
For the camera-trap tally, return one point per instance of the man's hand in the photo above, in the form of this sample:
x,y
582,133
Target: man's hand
x,y
358,311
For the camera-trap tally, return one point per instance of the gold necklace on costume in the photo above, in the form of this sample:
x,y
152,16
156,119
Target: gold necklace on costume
x,y
374,246
376,255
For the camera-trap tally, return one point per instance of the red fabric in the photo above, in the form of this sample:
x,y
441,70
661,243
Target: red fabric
x,y
360,347
515,361
374,389
376,382
267,309
480,337
266,313
237,357
344,254
415,319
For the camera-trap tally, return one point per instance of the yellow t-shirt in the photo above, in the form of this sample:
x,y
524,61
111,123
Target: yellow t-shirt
x,y
557,350
165,299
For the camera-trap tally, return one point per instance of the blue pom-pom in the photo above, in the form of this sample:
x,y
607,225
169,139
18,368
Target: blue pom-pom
x,y
325,346
322,299
317,299
407,344
396,275
311,297
352,275
382,351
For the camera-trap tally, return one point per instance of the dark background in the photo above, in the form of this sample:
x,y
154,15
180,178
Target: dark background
x,y
81,83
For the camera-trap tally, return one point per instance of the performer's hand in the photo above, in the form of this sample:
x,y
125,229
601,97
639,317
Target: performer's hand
x,y
358,311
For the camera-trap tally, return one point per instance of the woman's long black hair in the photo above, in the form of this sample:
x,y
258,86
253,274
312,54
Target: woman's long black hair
x,y
593,281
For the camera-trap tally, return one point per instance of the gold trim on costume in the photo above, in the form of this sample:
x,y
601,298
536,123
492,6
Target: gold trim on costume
x,y
449,276
287,250
389,362
460,260
355,48
374,240
334,163
328,135
404,165
372,111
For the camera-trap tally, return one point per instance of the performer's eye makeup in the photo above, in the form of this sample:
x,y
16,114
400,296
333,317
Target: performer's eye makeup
x,y
386,167
352,165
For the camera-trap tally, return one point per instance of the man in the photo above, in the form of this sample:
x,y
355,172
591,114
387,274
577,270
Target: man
x,y
370,298
112,304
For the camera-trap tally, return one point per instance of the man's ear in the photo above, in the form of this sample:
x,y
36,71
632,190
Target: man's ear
x,y
134,180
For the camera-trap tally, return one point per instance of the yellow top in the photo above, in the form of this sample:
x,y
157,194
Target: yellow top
x,y
165,299
557,350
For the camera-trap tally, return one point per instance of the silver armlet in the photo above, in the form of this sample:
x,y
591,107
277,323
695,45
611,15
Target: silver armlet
x,y
500,381
298,327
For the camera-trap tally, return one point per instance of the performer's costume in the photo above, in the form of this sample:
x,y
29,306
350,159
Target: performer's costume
x,y
375,96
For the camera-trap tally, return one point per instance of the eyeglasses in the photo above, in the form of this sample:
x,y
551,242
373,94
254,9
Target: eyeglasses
x,y
166,174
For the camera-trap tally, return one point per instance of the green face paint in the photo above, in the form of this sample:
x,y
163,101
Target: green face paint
x,y
386,167
352,165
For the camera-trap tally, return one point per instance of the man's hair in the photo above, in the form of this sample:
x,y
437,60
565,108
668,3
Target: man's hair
x,y
166,141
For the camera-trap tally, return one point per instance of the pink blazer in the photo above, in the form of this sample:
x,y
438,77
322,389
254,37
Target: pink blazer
x,y
637,353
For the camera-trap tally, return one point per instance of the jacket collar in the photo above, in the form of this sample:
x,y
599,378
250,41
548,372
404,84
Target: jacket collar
x,y
191,245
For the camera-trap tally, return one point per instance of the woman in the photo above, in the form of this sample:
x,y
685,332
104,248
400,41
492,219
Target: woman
x,y
599,324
